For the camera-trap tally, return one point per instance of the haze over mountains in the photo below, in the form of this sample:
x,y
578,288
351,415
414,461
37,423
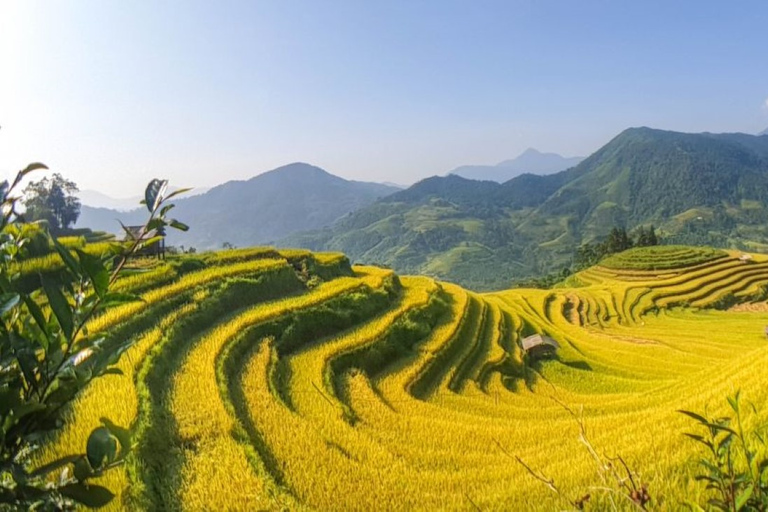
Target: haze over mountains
x,y
530,161
96,199
269,206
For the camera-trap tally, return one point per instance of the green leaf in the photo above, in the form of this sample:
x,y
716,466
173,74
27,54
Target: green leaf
x,y
28,364
697,438
723,428
101,448
123,435
151,241
8,301
697,417
153,195
179,225
60,307
92,496
37,314
56,464
33,167
28,169
166,209
734,402
177,192
96,271
66,256
82,470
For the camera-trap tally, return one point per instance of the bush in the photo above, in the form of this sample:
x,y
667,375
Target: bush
x,y
47,357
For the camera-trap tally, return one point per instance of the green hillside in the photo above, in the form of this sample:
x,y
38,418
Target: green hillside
x,y
265,379
708,189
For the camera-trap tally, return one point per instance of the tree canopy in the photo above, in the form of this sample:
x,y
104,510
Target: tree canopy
x,y
53,200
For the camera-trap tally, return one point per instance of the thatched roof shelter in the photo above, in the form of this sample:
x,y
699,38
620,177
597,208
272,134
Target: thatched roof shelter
x,y
538,344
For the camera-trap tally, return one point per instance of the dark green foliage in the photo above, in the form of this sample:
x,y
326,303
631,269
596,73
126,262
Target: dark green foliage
x,y
52,200
734,467
646,237
617,241
310,324
546,282
726,301
47,356
399,341
185,265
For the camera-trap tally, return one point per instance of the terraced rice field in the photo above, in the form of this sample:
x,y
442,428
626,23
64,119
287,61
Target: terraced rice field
x,y
273,380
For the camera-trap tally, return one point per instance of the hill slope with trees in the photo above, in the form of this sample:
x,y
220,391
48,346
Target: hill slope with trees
x,y
696,188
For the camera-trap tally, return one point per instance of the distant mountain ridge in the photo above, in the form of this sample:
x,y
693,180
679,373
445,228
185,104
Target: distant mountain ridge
x,y
96,199
530,161
264,208
764,132
696,188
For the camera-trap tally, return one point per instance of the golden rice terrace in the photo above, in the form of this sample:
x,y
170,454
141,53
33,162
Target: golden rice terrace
x,y
289,380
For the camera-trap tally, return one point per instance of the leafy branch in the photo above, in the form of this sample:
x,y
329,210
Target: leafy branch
x,y
47,355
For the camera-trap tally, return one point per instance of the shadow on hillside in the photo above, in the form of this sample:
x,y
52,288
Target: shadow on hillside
x,y
529,374
578,365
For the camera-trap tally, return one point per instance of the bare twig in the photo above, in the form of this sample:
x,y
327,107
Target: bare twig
x,y
549,482
475,505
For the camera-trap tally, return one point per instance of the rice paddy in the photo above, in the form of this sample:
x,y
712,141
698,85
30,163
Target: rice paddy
x,y
287,380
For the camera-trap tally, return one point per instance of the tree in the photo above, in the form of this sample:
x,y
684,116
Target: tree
x,y
617,241
647,237
53,200
47,356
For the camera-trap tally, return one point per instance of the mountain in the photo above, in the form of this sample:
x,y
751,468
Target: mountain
x,y
530,161
764,132
269,206
695,188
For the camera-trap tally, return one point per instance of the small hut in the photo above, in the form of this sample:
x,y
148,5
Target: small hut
x,y
539,346
746,258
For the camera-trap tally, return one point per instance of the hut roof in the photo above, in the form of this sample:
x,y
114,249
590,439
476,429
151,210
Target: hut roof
x,y
537,340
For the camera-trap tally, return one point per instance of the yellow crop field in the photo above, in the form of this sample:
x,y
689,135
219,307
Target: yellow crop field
x,y
275,379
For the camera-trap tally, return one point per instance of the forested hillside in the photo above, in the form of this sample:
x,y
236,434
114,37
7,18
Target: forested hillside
x,y
271,205
696,188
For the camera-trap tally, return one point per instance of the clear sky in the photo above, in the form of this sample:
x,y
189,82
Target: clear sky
x,y
112,93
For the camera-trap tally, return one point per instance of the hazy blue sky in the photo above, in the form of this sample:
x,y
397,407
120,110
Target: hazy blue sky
x,y
112,93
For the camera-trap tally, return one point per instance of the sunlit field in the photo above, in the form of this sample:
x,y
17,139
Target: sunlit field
x,y
276,380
